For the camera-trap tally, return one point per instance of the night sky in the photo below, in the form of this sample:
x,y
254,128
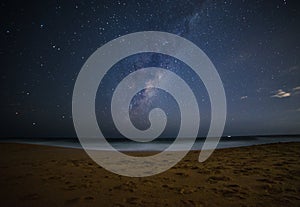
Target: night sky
x,y
254,45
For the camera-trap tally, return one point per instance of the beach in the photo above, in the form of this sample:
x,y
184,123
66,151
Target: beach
x,y
262,175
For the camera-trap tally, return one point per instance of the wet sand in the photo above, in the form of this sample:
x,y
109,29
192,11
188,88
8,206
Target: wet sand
x,y
265,175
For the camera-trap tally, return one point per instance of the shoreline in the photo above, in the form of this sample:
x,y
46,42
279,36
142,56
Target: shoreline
x,y
223,144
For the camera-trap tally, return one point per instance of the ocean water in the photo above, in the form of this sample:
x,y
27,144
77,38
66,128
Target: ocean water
x,y
156,145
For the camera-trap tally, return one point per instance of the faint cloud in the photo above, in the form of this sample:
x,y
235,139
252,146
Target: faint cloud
x,y
244,97
298,109
296,90
281,94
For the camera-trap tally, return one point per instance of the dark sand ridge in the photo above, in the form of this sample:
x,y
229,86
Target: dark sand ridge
x,y
265,175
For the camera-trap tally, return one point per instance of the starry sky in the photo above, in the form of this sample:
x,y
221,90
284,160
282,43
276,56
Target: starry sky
x,y
254,45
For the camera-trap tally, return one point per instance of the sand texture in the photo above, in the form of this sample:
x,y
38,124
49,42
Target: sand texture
x,y
265,175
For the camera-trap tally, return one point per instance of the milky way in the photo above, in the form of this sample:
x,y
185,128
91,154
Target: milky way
x,y
254,45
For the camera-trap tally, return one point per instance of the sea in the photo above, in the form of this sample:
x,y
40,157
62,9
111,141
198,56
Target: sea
x,y
158,144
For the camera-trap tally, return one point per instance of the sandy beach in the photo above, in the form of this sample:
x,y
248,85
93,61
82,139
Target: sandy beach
x,y
264,175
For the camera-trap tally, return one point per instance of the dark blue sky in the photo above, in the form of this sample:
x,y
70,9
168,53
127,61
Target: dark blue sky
x,y
254,45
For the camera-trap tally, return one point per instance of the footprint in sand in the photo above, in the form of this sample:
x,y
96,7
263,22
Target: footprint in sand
x,y
32,196
215,179
133,200
70,188
72,201
190,203
187,191
118,205
89,198
265,180
182,174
